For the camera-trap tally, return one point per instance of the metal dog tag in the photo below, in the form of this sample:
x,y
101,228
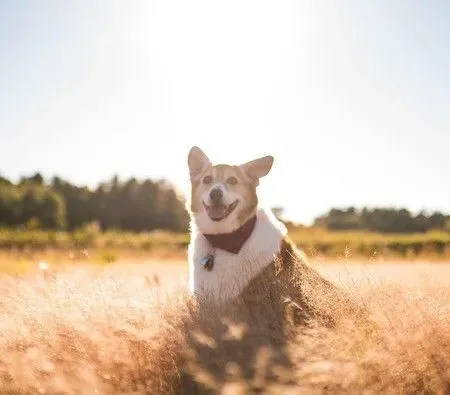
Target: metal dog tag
x,y
207,262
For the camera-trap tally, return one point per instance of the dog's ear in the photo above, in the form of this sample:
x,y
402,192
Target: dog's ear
x,y
258,168
197,162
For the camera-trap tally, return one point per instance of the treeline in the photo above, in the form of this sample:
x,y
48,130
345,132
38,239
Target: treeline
x,y
145,205
123,205
382,220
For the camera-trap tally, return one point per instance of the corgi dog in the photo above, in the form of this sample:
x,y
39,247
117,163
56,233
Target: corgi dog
x,y
233,240
245,272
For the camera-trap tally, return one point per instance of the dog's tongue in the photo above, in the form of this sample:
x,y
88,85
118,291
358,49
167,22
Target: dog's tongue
x,y
217,211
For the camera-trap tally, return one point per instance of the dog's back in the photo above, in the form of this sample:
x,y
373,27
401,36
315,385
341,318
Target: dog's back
x,y
297,292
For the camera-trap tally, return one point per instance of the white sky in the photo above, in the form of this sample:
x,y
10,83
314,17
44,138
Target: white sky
x,y
352,98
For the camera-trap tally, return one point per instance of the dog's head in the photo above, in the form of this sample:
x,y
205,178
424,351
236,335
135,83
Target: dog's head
x,y
223,197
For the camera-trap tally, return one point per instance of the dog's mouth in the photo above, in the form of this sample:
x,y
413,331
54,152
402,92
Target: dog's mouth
x,y
218,212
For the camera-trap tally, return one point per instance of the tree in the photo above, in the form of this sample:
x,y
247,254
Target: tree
x,y
36,179
130,205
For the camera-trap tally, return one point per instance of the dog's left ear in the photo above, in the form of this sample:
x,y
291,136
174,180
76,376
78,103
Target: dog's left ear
x,y
258,168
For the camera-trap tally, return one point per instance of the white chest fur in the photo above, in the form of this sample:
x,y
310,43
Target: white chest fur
x,y
232,272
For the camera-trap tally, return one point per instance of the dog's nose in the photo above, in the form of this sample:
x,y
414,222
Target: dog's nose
x,y
216,195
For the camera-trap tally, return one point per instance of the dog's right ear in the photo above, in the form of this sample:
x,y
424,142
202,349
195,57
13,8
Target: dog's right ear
x,y
197,162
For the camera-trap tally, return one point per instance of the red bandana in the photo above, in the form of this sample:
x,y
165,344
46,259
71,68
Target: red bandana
x,y
232,242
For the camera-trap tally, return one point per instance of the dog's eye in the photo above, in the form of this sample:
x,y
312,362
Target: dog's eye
x,y
207,180
232,180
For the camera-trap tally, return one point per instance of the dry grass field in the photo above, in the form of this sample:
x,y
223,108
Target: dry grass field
x,y
130,328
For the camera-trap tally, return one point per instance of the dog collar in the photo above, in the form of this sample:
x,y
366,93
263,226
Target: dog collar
x,y
232,242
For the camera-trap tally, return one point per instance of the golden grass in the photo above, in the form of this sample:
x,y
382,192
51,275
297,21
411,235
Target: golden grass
x,y
130,328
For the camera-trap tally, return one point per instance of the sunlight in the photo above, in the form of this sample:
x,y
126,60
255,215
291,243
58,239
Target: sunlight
x,y
302,81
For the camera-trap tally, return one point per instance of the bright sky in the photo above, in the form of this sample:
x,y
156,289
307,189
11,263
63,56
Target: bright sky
x,y
351,97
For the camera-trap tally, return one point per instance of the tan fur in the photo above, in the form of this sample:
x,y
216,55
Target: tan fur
x,y
245,188
243,193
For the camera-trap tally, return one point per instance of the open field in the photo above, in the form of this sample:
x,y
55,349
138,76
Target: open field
x,y
127,328
315,241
